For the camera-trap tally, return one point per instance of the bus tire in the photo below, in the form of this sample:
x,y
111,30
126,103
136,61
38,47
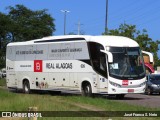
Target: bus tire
x,y
26,87
86,90
120,96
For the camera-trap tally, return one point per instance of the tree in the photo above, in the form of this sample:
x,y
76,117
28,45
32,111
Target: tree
x,y
28,24
4,37
22,24
145,42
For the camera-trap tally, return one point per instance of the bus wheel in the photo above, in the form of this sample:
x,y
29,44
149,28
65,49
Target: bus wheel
x,y
120,96
26,87
87,90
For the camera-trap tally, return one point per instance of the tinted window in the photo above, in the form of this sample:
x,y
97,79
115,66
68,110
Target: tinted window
x,y
154,79
98,59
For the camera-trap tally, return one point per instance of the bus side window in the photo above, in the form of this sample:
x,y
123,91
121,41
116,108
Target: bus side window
x,y
98,59
10,54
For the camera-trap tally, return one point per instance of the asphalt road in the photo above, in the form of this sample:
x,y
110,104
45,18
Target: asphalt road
x,y
152,101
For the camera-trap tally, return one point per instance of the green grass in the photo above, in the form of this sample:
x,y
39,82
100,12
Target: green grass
x,y
2,82
10,101
109,105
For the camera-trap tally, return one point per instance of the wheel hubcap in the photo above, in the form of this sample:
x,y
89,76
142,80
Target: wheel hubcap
x,y
26,88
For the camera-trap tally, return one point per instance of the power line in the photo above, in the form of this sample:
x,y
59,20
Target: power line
x,y
132,11
122,9
106,20
136,8
144,15
150,20
129,16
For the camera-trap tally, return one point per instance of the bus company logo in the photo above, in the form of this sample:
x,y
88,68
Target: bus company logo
x,y
37,65
125,82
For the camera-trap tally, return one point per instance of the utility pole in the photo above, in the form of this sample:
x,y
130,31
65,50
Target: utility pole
x,y
65,11
79,25
106,21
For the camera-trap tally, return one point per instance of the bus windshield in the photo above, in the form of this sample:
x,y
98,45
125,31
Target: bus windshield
x,y
127,63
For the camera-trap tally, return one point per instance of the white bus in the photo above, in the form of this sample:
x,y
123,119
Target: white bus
x,y
77,63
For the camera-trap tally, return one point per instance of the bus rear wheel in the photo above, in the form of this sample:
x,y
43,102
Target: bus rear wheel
x,y
87,90
26,87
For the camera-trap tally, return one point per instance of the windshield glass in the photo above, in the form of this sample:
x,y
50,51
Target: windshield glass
x,y
127,63
154,79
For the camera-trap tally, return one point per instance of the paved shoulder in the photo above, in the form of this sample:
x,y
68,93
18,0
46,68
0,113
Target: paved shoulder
x,y
152,101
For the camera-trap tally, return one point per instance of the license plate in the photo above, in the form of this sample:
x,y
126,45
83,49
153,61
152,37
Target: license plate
x,y
131,90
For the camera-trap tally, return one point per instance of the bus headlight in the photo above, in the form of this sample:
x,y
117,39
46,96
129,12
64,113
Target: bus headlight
x,y
115,84
142,84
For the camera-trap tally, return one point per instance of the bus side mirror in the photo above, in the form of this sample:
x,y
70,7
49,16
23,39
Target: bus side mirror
x,y
110,56
150,56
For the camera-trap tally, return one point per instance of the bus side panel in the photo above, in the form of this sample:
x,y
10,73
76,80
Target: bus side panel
x,y
11,82
53,80
87,77
40,81
24,75
98,83
74,85
102,84
10,67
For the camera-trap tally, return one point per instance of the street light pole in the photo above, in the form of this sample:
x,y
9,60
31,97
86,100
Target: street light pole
x,y
106,21
65,11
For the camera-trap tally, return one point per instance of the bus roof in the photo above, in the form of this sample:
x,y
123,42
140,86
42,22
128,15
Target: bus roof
x,y
117,41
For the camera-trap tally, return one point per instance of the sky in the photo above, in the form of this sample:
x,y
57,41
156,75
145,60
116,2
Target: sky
x,y
90,14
